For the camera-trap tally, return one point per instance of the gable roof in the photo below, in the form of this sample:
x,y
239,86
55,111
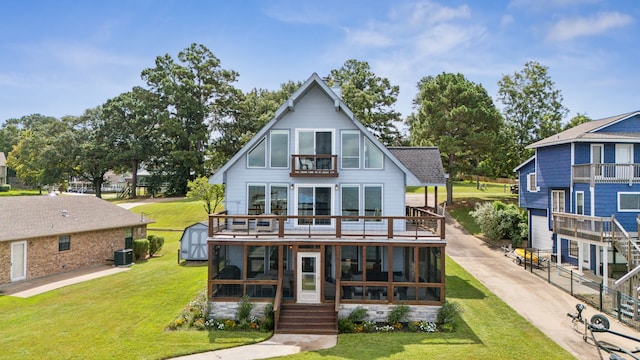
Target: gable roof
x,y
25,217
424,162
588,132
289,105
524,163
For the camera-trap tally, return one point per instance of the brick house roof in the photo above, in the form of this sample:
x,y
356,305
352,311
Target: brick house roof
x,y
25,217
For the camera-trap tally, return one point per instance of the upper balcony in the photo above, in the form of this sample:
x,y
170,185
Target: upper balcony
x,y
417,224
314,165
606,174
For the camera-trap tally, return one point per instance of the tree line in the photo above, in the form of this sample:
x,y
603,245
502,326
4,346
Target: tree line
x,y
190,119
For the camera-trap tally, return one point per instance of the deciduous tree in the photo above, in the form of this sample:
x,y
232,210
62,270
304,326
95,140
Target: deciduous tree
x,y
194,91
211,194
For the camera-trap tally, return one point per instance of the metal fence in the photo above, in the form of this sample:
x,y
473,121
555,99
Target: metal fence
x,y
587,287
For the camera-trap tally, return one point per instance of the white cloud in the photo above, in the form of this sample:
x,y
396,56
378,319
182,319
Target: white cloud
x,y
506,20
568,29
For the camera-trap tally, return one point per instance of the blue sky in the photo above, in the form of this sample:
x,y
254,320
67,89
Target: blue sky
x,y
61,57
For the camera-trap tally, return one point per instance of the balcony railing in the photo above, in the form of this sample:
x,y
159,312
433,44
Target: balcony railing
x,y
314,165
424,225
607,173
594,228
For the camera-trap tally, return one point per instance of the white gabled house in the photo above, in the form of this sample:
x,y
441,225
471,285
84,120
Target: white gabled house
x,y
316,221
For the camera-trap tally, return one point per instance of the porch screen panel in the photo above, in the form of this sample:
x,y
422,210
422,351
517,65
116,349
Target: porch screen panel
x,y
350,263
376,265
429,264
329,272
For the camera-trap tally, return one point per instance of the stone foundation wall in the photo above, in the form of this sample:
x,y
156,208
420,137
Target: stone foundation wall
x,y
229,310
379,313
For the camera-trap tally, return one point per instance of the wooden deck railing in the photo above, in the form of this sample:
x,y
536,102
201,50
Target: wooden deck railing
x,y
314,165
277,301
421,224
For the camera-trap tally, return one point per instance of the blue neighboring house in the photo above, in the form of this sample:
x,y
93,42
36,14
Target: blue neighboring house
x,y
316,221
582,193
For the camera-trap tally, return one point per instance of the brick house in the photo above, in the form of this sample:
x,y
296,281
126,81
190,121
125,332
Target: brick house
x,y
45,235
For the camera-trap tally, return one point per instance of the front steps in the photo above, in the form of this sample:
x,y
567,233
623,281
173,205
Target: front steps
x,y
320,319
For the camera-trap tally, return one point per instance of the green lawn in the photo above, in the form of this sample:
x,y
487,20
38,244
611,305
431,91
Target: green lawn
x,y
490,330
124,316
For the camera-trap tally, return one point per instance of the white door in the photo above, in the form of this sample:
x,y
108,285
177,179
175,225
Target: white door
x,y
586,256
541,237
308,277
18,260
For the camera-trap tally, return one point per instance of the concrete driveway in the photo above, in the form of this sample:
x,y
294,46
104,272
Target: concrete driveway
x,y
542,304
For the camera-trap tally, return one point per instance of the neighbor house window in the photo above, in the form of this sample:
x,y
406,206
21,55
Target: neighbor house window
x,y
557,201
628,201
257,155
580,202
350,150
573,248
64,243
373,157
128,238
279,148
531,182
256,199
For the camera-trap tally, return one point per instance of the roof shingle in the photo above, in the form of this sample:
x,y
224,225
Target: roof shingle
x,y
24,217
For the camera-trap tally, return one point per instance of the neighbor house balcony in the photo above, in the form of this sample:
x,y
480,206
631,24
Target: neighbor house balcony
x,y
591,228
314,165
606,174
418,224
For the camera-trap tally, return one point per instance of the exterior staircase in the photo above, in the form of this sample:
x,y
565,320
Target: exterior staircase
x,y
626,245
320,319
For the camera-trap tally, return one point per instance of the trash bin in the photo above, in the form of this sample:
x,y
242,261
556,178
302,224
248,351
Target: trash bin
x,y
123,257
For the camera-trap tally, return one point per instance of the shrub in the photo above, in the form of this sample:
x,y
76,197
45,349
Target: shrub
x,y
267,322
244,312
140,248
5,187
155,244
398,315
193,315
345,326
448,315
358,314
498,221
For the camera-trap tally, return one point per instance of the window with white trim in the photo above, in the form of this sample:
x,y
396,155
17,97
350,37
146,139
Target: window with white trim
x,y
256,199
350,201
350,149
279,199
373,200
373,157
279,143
573,249
257,156
580,202
629,201
531,182
64,242
557,201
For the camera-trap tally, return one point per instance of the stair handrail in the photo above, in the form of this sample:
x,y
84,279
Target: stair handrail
x,y
626,237
628,276
277,303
